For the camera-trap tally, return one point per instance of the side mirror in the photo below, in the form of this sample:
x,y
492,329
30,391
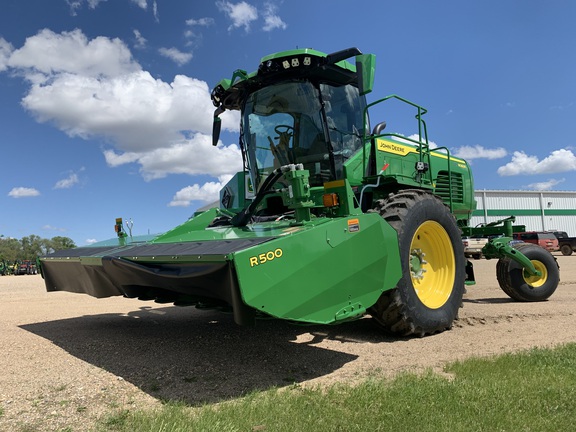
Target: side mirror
x,y
216,126
365,68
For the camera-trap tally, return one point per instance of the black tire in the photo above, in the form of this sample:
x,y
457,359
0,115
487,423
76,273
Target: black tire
x,y
566,250
432,259
477,256
521,287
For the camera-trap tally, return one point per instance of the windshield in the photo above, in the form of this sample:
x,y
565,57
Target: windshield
x,y
344,107
298,122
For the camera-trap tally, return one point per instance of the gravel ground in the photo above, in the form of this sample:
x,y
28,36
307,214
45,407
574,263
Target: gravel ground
x,y
67,359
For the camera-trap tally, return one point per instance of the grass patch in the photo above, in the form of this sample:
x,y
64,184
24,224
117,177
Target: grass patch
x,y
530,391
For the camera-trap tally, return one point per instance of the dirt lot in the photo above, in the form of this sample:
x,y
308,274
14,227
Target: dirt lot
x,y
67,358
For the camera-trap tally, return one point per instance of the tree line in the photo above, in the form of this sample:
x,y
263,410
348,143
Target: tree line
x,y
29,247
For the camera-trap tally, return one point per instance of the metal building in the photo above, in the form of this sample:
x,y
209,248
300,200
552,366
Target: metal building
x,y
538,210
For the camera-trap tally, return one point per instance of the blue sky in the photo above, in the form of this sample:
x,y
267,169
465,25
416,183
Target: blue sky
x,y
105,109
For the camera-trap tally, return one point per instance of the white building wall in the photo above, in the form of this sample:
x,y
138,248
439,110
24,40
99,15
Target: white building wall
x,y
539,211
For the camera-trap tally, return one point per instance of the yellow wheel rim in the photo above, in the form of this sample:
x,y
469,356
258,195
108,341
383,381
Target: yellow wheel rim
x,y
432,264
537,281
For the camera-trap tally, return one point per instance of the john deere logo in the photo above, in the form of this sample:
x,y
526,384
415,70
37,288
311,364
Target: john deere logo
x,y
391,147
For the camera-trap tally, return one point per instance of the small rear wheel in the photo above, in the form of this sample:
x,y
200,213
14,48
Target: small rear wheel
x,y
521,286
566,250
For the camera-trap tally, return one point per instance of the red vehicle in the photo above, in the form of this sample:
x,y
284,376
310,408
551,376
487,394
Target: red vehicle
x,y
547,240
25,267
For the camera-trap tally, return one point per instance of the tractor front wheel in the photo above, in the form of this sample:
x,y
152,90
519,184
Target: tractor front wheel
x,y
521,286
429,294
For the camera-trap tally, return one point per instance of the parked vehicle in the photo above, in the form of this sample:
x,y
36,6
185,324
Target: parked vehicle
x,y
547,240
566,244
5,267
473,246
26,267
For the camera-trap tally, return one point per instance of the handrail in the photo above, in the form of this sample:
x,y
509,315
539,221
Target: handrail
x,y
422,129
423,144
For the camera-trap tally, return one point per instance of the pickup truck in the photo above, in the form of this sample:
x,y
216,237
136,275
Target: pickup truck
x,y
566,244
473,246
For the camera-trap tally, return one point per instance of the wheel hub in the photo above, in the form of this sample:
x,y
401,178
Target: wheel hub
x,y
417,262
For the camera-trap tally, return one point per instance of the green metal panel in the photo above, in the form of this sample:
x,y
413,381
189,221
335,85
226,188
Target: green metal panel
x,y
321,275
195,230
354,170
398,162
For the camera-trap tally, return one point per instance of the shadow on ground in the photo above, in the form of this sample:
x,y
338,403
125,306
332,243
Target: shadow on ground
x,y
193,356
490,300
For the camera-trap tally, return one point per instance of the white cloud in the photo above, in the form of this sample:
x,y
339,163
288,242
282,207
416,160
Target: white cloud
x,y
559,161
93,4
191,34
203,22
193,157
74,6
49,54
140,40
51,228
67,182
114,159
562,107
77,4
479,152
5,52
90,241
144,120
271,20
155,10
416,137
142,3
23,192
177,56
135,111
242,14
208,192
546,185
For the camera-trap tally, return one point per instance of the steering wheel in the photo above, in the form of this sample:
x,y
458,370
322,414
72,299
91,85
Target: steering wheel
x,y
280,129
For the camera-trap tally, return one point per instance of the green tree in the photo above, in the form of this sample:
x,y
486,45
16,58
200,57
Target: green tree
x,y
58,243
31,247
10,249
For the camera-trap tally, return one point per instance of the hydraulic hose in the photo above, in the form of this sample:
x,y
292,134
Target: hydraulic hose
x,y
241,219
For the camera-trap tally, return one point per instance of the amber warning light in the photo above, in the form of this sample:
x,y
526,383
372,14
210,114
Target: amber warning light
x,y
118,227
330,200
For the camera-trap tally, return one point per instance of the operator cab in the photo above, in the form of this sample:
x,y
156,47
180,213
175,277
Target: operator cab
x,y
300,109
317,125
